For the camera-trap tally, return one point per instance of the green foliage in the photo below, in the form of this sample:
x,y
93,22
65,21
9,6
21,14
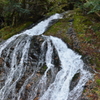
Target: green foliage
x,y
13,9
9,31
56,6
2,4
94,5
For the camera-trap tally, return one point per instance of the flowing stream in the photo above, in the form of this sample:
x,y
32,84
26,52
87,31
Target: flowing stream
x,y
39,67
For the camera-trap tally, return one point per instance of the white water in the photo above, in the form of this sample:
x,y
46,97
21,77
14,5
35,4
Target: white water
x,y
70,64
59,87
36,30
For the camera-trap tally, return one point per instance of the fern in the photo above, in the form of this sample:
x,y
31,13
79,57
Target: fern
x,y
93,5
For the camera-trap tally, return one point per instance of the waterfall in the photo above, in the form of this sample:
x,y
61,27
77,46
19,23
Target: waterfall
x,y
39,67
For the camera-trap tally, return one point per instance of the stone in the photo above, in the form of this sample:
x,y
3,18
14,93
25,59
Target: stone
x,y
1,61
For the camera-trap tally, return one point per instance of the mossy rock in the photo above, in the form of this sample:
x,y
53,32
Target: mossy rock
x,y
9,31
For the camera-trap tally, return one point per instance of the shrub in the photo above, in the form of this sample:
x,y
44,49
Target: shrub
x,y
93,5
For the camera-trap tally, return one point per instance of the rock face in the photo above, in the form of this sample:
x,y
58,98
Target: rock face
x,y
30,81
33,68
73,38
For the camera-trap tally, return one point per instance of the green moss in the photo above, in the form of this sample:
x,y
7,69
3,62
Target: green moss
x,y
59,26
98,82
78,25
96,27
97,89
44,67
8,31
60,29
97,62
81,22
81,35
87,39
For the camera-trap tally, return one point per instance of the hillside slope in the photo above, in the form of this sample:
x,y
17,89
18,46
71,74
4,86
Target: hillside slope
x,y
82,34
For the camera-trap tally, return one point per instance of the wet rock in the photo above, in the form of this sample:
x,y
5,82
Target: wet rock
x,y
70,31
71,20
74,81
73,38
1,62
28,86
89,68
35,47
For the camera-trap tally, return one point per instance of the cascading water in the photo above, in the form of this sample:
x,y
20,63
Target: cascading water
x,y
40,67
